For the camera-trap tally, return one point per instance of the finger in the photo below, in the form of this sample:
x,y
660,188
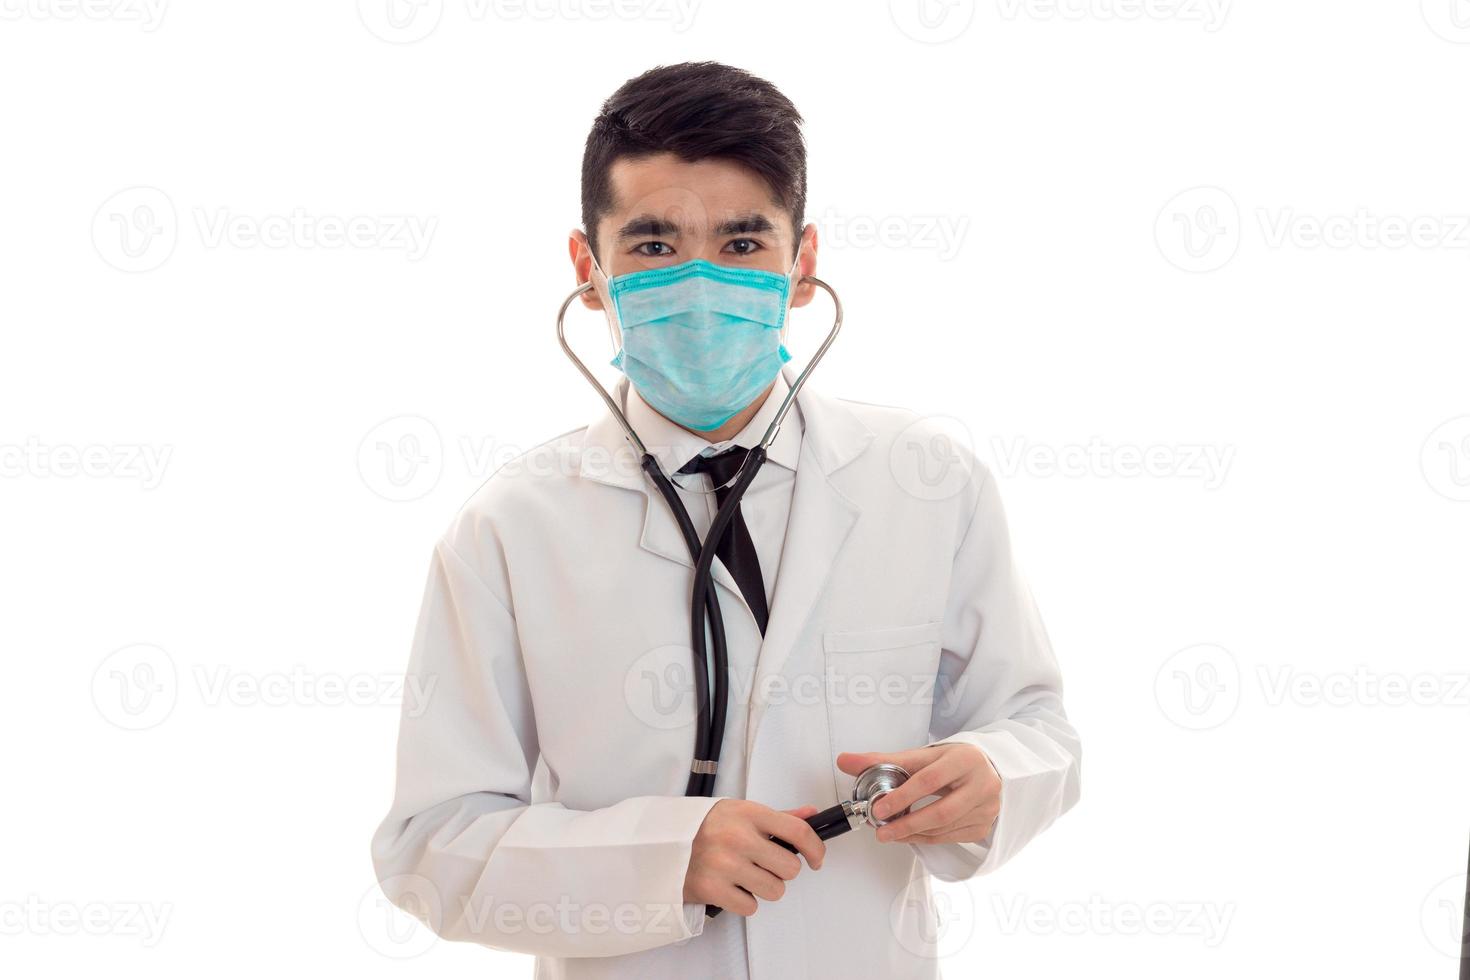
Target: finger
x,y
972,818
735,899
853,763
795,832
760,882
928,781
946,810
971,803
963,820
971,834
774,858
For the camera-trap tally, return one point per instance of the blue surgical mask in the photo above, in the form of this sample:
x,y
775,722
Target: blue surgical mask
x,y
699,340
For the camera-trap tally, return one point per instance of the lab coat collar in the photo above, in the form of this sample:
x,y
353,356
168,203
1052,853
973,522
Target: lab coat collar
x,y
829,431
673,445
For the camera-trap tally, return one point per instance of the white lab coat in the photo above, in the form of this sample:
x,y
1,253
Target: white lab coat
x,y
539,802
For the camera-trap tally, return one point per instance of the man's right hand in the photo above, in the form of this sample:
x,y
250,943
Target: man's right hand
x,y
734,862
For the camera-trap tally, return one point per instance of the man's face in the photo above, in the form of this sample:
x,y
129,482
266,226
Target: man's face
x,y
667,210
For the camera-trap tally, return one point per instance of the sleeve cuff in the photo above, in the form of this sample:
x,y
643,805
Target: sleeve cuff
x,y
690,813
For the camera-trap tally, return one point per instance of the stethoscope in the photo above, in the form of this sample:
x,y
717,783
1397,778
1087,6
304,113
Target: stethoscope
x,y
704,603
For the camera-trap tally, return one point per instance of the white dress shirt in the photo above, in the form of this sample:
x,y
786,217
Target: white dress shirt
x,y
766,505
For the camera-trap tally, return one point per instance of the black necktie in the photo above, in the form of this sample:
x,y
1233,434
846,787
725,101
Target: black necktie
x,y
736,550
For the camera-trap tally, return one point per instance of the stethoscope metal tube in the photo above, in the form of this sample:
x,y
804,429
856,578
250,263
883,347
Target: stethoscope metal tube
x,y
873,783
611,403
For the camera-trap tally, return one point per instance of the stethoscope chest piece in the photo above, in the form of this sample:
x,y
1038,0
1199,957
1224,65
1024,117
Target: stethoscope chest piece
x,y
874,783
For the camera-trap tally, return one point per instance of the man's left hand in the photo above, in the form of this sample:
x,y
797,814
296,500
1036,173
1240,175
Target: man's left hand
x,y
961,776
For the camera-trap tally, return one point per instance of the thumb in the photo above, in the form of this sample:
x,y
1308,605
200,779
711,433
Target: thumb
x,y
802,812
912,760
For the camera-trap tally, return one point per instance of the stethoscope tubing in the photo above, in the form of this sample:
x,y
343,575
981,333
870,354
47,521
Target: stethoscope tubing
x,y
698,784
701,595
711,706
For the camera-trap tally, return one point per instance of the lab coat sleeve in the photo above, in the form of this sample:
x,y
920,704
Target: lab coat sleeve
x,y
999,689
464,849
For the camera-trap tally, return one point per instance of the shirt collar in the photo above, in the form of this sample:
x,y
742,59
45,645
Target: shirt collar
x,y
673,445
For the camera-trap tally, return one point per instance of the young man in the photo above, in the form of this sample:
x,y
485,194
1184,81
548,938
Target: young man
x,y
873,614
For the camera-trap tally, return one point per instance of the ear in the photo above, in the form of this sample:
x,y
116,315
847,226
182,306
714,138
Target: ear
x,y
581,252
806,265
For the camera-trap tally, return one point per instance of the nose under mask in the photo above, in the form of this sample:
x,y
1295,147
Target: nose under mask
x,y
700,340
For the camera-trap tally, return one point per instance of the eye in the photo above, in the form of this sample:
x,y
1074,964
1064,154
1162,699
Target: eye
x,y
654,250
744,246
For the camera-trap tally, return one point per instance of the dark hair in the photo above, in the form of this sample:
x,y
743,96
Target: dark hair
x,y
697,110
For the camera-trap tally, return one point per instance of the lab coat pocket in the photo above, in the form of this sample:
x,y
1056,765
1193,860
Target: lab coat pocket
x,y
879,689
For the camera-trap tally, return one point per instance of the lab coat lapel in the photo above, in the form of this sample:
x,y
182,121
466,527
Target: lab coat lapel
x,y
820,522
608,457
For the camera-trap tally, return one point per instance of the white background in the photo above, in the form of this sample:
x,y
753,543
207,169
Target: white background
x,y
1190,230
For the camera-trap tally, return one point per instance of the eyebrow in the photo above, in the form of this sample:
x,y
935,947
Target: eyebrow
x,y
746,224
648,226
652,226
